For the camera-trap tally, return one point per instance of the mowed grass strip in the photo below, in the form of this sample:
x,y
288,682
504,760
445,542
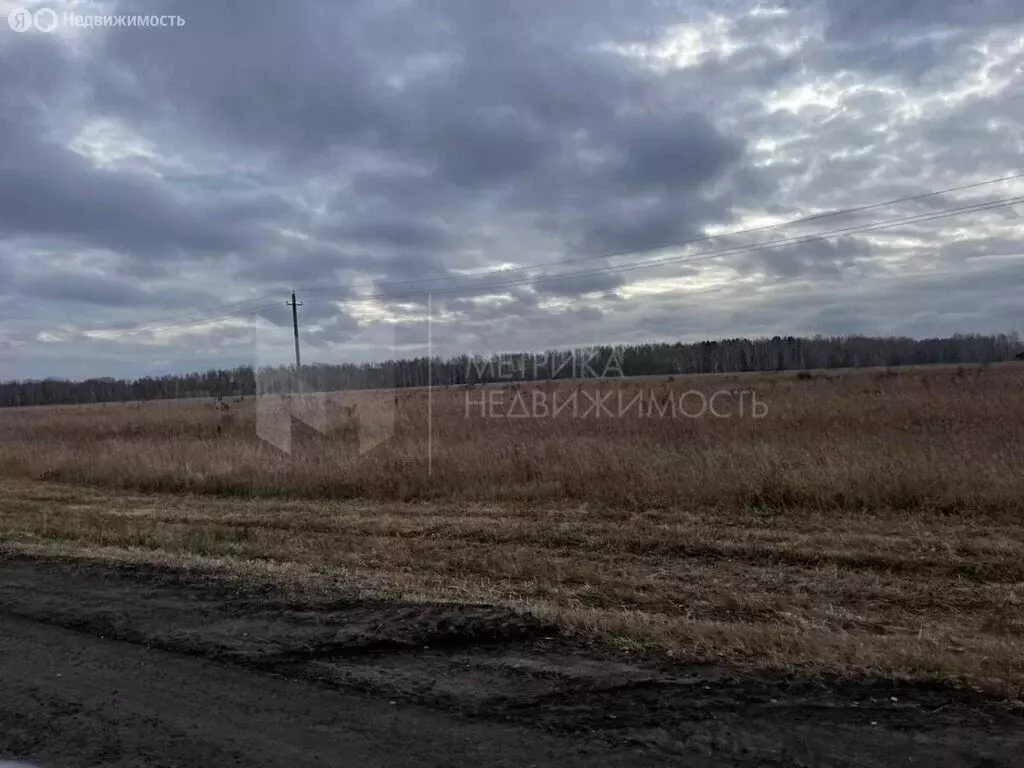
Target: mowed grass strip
x,y
895,592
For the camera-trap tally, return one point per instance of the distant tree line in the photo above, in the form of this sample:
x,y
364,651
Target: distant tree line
x,y
725,356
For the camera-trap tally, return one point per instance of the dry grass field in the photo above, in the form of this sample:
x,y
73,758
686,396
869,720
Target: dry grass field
x,y
868,524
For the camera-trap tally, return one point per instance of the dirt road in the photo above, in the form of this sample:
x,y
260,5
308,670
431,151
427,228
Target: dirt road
x,y
114,668
70,700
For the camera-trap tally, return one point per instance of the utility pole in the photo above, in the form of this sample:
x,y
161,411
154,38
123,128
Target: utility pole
x,y
295,325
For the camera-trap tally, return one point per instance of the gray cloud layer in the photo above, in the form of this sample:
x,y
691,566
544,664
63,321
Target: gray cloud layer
x,y
398,146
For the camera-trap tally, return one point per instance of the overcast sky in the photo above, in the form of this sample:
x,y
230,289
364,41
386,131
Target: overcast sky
x,y
369,151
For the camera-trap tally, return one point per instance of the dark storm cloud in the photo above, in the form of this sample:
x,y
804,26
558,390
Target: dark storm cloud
x,y
85,288
297,264
410,333
325,313
400,233
467,118
504,114
276,314
821,259
34,71
862,21
419,270
668,151
392,147
287,80
570,285
6,272
840,320
49,191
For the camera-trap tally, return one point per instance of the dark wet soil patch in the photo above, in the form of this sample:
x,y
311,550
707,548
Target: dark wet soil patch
x,y
486,663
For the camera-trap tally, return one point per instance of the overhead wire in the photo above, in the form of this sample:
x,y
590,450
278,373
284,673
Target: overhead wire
x,y
702,238
699,256
259,305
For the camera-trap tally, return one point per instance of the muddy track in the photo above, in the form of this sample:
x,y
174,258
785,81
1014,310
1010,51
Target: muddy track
x,y
296,684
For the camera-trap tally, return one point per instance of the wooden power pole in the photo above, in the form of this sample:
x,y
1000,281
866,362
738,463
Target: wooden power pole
x,y
295,326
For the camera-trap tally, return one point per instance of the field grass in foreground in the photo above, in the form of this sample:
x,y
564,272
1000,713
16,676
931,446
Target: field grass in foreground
x,y
942,439
870,524
895,593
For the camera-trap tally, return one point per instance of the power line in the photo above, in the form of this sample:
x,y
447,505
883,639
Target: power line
x,y
200,317
218,308
704,238
699,256
117,333
618,269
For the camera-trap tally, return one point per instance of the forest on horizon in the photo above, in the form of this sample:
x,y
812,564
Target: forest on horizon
x,y
722,356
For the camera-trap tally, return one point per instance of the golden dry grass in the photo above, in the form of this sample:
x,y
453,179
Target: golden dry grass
x,y
868,524
942,439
